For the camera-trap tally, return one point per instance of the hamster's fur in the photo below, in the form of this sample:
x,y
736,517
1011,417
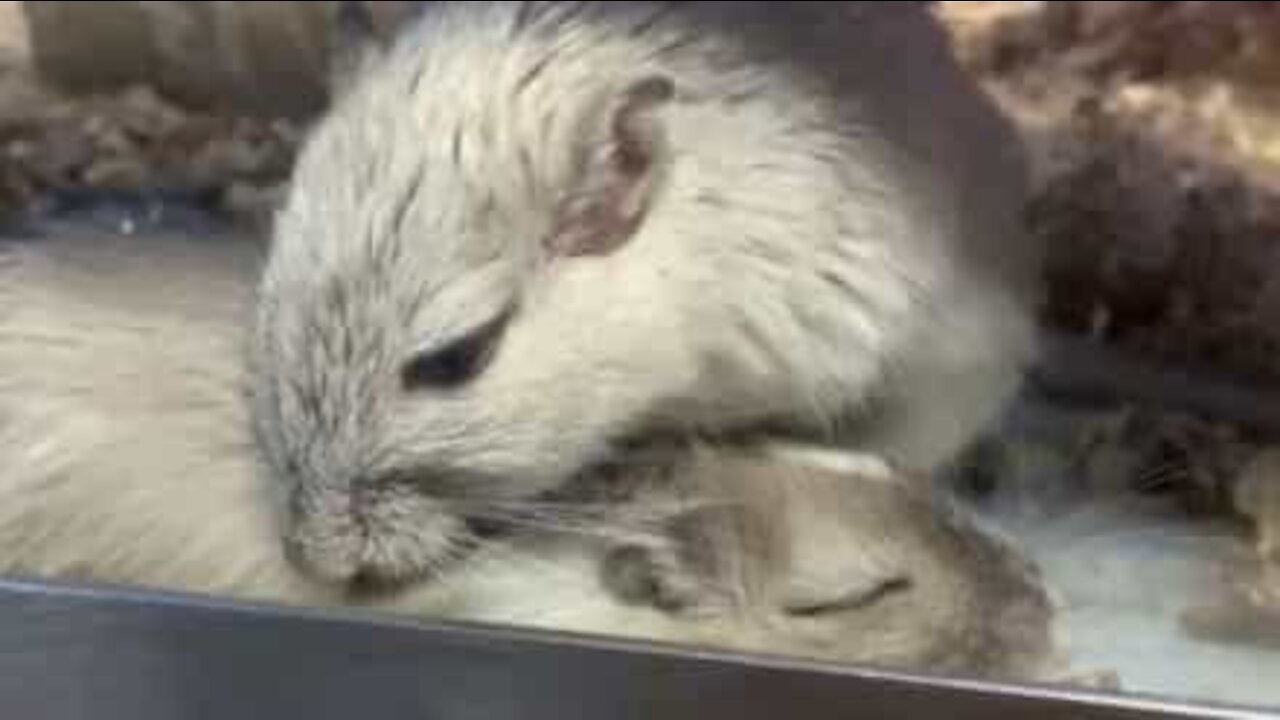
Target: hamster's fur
x,y
125,457
887,566
528,232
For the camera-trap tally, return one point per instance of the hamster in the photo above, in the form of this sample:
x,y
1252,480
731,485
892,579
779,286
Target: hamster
x,y
126,457
773,532
528,234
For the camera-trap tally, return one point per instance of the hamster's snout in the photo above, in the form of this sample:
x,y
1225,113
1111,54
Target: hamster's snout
x,y
371,538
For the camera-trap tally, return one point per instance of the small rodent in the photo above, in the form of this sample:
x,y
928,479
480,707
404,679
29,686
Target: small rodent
x,y
891,574
126,458
528,233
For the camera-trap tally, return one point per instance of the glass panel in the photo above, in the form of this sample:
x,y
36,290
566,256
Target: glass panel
x,y
935,337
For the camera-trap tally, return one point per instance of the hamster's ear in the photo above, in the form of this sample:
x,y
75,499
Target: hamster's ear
x,y
621,165
353,42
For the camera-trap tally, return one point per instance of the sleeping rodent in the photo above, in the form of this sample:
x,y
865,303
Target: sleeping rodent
x,y
774,534
126,457
529,233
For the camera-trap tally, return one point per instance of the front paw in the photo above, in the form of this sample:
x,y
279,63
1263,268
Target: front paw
x,y
659,576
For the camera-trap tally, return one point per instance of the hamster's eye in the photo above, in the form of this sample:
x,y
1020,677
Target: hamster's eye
x,y
456,363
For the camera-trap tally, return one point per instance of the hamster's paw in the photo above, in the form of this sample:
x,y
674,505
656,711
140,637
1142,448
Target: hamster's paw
x,y
659,576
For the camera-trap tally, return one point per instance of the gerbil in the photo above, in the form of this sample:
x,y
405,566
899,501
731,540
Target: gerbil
x,y
126,457
776,535
528,233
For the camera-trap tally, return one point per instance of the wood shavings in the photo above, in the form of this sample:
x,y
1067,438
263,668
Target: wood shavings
x,y
1156,133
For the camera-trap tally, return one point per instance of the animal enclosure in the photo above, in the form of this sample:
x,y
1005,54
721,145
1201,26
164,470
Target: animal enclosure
x,y
1109,547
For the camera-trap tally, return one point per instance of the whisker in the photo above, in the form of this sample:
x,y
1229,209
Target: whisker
x,y
654,510
581,507
1153,477
504,552
1161,467
601,531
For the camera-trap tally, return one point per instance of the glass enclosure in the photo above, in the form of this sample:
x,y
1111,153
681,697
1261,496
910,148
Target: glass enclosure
x,y
936,338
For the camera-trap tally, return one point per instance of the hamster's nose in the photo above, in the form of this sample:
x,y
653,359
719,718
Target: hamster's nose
x,y
331,565
355,576
367,582
373,541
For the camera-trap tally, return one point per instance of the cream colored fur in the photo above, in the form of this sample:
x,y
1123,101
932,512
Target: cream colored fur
x,y
829,221
125,457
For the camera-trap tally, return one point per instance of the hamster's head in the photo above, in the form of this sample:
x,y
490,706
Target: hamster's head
x,y
447,326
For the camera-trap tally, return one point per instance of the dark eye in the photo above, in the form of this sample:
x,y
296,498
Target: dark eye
x,y
456,363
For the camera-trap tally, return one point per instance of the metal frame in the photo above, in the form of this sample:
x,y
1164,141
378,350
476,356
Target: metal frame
x,y
69,652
